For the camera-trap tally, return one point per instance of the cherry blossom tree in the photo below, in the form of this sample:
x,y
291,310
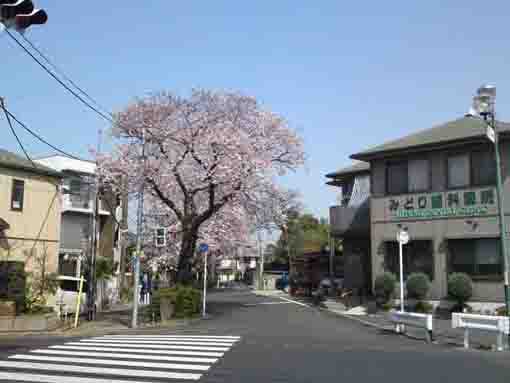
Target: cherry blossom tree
x,y
206,159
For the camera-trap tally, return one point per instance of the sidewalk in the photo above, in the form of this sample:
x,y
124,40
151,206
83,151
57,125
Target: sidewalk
x,y
444,334
115,320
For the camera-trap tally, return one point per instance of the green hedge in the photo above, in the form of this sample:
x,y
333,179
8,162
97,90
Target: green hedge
x,y
187,301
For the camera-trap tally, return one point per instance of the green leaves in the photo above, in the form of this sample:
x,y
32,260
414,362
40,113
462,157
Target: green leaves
x,y
105,268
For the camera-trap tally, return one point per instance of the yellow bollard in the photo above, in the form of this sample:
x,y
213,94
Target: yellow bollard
x,y
78,303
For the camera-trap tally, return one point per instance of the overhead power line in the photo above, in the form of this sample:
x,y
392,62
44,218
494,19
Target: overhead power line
x,y
76,95
7,116
63,74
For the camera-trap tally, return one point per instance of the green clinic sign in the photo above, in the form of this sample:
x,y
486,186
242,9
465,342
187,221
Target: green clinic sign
x,y
451,204
446,212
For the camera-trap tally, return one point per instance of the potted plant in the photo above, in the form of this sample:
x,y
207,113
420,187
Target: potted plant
x,y
460,289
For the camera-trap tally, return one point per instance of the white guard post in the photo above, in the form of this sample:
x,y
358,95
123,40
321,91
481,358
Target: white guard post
x,y
424,321
497,324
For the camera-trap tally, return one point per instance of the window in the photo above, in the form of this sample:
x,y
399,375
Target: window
x,y
458,171
417,257
408,176
396,177
477,168
476,257
483,168
75,186
18,191
419,175
67,265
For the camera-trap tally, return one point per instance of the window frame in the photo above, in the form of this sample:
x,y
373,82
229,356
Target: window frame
x,y
16,181
457,154
469,153
429,175
430,244
475,275
387,166
406,161
492,154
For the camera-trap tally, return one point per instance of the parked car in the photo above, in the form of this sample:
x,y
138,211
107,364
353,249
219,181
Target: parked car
x,y
67,295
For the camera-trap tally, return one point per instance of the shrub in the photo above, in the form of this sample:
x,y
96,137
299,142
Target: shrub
x,y
186,299
423,307
385,286
417,285
460,288
501,311
387,306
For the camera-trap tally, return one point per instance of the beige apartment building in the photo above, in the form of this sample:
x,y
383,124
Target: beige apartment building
x,y
30,205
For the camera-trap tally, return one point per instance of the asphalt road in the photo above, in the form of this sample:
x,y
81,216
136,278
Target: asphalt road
x,y
255,339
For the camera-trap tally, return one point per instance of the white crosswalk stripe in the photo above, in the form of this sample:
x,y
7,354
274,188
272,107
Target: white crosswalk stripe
x,y
128,356
139,351
151,346
139,358
151,342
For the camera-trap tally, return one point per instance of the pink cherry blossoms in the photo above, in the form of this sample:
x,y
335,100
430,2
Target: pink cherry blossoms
x,y
209,160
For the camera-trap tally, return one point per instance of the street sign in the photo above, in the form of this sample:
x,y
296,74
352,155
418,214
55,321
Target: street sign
x,y
403,237
491,134
203,248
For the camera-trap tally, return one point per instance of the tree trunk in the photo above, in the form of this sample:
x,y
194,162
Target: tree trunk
x,y
188,246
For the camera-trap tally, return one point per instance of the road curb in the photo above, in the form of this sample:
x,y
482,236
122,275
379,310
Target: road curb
x,y
351,317
355,319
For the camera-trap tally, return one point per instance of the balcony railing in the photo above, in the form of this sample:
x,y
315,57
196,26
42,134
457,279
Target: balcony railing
x,y
82,204
350,221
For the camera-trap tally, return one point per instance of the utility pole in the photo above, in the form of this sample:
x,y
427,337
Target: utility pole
x,y
261,261
136,257
93,239
123,229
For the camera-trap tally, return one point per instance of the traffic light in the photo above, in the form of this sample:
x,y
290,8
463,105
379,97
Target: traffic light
x,y
36,17
9,11
160,237
21,14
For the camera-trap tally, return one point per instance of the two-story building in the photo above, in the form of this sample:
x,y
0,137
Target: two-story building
x,y
78,186
438,183
236,261
30,206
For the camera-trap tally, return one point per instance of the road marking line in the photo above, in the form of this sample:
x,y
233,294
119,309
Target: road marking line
x,y
177,336
126,356
129,350
296,302
157,342
168,338
267,303
110,362
17,376
99,370
152,346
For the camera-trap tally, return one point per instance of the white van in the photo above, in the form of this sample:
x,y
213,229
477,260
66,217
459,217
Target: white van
x,y
67,295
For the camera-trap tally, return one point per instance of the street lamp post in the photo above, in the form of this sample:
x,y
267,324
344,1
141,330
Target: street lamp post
x,y
484,106
402,239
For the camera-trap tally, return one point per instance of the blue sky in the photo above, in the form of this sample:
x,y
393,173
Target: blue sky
x,y
347,75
